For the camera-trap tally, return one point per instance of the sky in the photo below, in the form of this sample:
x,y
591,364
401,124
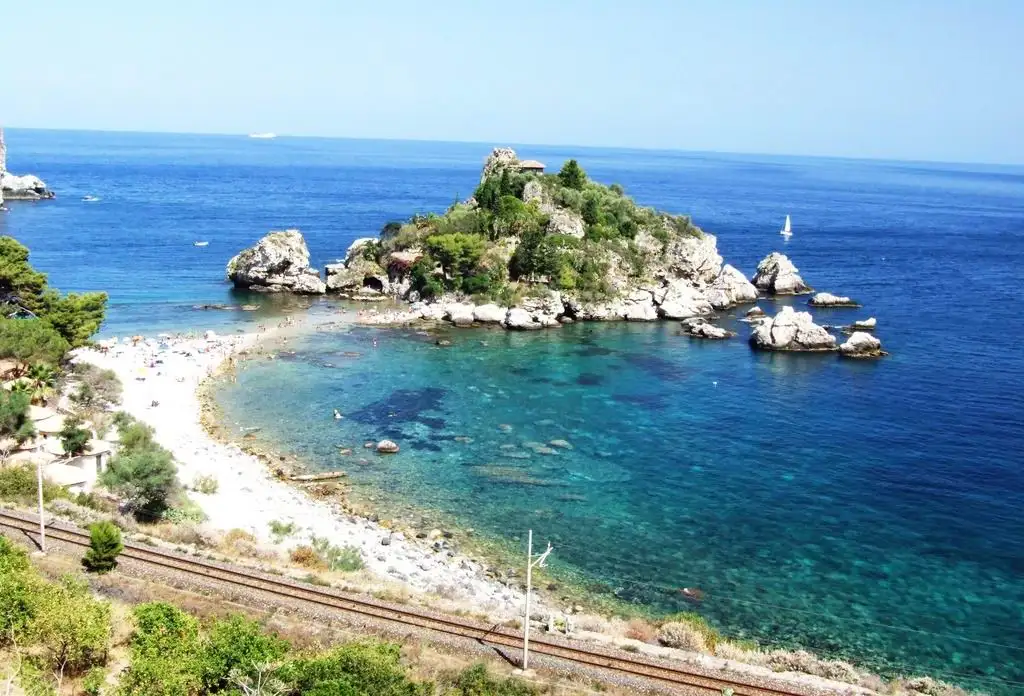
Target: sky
x,y
895,79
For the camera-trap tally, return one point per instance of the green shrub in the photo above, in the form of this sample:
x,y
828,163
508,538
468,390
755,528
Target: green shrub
x,y
145,478
104,547
165,651
94,681
19,484
423,280
281,530
70,628
477,681
357,669
30,341
338,558
459,255
205,484
237,647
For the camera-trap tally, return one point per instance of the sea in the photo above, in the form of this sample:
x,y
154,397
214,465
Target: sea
x,y
869,511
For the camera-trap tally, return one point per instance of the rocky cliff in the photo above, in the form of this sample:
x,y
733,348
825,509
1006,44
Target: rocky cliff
x,y
12,188
277,263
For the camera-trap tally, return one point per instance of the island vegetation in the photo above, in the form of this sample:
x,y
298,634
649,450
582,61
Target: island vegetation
x,y
524,232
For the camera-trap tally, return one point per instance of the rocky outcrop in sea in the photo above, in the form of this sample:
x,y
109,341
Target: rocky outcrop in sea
x,y
15,188
731,288
861,344
701,328
279,262
790,330
827,299
777,275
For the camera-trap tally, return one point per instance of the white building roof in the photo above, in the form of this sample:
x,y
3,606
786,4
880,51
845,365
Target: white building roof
x,y
65,475
51,425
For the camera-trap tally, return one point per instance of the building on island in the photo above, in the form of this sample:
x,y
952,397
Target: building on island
x,y
531,167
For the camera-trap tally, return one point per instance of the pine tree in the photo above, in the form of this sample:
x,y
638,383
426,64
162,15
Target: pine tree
x,y
104,547
572,175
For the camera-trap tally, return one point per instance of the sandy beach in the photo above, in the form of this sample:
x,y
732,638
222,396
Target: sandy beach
x,y
162,376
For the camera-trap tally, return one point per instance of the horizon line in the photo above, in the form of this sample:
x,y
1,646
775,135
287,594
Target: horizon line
x,y
524,144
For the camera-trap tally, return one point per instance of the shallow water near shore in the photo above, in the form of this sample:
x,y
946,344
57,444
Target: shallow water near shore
x,y
866,510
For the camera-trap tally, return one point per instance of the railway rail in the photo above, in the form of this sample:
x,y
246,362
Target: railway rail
x,y
684,677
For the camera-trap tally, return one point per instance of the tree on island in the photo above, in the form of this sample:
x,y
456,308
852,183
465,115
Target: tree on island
x,y
14,420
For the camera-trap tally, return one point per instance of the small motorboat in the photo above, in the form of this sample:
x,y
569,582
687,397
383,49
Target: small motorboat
x,y
200,243
90,199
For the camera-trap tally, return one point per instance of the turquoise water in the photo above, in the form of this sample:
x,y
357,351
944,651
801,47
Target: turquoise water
x,y
867,510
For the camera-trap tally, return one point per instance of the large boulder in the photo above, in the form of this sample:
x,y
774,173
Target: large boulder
x,y
861,345
777,275
277,263
520,320
640,306
791,331
460,314
693,256
23,188
681,300
827,299
564,221
730,288
489,314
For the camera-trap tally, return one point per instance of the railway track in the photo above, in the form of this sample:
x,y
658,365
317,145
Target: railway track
x,y
692,680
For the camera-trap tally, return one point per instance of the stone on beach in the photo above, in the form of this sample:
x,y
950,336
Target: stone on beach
x,y
279,262
777,275
489,314
790,330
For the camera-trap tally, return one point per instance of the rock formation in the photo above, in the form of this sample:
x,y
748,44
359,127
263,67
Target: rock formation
x,y
868,324
25,188
359,276
700,328
827,299
777,275
791,331
730,288
861,345
277,263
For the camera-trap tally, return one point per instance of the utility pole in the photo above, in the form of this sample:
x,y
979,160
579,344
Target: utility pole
x,y
530,563
42,522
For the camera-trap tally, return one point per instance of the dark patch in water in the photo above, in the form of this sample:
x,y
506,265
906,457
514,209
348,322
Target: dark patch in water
x,y
590,351
589,379
403,406
659,367
652,402
520,371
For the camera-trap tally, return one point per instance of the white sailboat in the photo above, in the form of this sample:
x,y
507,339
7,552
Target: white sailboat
x,y
787,229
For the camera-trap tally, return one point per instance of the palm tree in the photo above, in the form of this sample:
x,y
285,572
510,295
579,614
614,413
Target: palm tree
x,y
41,378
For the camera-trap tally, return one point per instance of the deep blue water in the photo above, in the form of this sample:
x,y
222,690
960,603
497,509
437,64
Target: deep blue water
x,y
872,511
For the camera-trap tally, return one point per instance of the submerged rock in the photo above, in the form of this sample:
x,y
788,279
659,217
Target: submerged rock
x,y
861,345
827,299
387,447
277,263
791,331
777,275
731,288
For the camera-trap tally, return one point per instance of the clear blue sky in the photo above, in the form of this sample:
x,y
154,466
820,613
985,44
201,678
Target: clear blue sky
x,y
910,79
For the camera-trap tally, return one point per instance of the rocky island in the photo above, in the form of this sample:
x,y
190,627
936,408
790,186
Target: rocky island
x,y
277,263
15,188
531,250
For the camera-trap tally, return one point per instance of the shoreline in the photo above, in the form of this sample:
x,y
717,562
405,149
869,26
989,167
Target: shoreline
x,y
248,495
